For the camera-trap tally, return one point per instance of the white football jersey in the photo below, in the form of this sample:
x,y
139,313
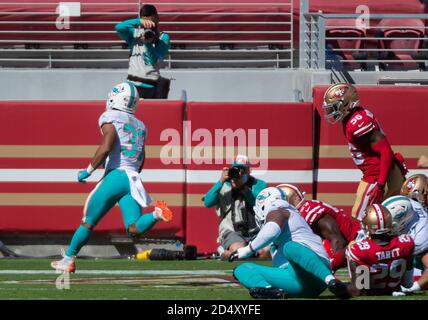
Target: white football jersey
x,y
127,152
419,230
296,229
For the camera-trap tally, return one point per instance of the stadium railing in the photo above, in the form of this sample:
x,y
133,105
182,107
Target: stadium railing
x,y
203,34
362,41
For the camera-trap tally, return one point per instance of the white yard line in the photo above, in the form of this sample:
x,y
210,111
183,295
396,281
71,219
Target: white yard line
x,y
126,272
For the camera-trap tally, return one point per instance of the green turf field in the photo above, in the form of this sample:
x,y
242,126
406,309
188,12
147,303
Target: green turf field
x,y
129,279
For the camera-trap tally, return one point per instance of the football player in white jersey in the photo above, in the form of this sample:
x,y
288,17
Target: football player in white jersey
x,y
300,264
122,151
409,217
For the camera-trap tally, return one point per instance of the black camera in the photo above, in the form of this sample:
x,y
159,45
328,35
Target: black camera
x,y
150,35
234,173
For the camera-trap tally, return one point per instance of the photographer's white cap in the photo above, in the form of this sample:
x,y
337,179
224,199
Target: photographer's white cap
x,y
240,161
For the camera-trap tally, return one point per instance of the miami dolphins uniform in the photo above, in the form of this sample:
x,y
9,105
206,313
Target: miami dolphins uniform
x,y
300,264
121,182
417,227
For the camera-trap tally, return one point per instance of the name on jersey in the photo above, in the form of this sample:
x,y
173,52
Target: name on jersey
x,y
390,254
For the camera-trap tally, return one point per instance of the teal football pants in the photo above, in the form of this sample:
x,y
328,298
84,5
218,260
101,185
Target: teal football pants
x,y
302,277
114,188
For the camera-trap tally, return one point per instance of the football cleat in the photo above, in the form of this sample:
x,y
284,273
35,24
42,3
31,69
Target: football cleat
x,y
338,288
66,264
267,293
162,212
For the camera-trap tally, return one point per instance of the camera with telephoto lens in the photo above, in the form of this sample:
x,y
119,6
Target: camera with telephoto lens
x,y
234,172
150,35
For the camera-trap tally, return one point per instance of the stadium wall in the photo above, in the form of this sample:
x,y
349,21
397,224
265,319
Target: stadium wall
x,y
210,85
241,85
43,144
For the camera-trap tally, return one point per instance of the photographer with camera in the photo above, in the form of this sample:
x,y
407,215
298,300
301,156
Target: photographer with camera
x,y
234,196
147,47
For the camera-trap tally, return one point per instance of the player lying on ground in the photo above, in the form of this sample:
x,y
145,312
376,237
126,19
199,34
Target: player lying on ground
x,y
383,262
300,264
122,150
330,223
383,171
409,217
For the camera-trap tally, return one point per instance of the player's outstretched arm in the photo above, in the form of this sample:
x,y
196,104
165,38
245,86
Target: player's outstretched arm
x,y
268,233
109,138
381,146
352,287
329,230
423,281
409,285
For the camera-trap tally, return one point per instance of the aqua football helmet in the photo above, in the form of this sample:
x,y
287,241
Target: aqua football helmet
x,y
263,200
403,215
123,97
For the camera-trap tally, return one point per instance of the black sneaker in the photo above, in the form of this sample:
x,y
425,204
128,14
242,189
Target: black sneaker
x,y
267,293
338,288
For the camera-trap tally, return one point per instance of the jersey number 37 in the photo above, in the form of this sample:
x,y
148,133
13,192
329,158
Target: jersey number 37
x,y
134,134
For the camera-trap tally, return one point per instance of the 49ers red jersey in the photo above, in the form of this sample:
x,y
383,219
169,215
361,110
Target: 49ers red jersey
x,y
386,264
358,123
313,210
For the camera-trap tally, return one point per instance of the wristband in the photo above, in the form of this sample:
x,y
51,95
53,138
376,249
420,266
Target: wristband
x,y
90,169
244,252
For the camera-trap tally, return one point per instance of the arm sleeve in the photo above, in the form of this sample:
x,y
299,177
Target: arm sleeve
x,y
211,198
266,236
125,30
163,46
383,148
353,254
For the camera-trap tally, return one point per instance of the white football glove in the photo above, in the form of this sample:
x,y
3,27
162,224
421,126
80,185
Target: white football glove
x,y
241,253
398,293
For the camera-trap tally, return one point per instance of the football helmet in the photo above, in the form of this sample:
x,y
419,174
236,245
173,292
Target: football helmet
x,y
416,188
123,97
294,195
263,199
377,220
403,215
338,101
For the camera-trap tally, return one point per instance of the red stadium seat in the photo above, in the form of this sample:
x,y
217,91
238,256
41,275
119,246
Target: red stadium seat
x,y
401,28
340,28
